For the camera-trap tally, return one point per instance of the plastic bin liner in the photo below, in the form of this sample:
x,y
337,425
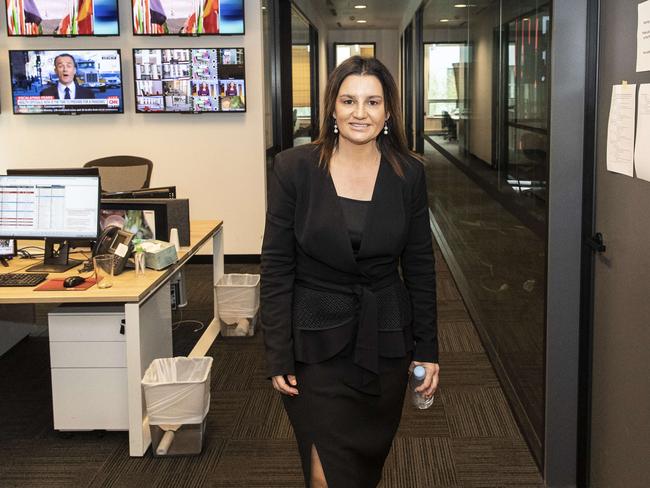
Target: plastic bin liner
x,y
177,390
238,296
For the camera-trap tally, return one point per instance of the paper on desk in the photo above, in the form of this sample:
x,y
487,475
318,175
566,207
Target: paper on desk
x,y
642,148
620,130
643,37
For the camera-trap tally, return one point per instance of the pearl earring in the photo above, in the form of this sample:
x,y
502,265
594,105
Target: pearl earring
x,y
385,128
336,128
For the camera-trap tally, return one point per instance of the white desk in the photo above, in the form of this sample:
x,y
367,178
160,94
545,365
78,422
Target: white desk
x,y
147,309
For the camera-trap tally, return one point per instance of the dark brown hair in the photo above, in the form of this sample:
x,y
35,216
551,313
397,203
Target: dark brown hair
x,y
393,145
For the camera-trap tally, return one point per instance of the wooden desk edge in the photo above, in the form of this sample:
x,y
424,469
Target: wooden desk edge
x,y
213,226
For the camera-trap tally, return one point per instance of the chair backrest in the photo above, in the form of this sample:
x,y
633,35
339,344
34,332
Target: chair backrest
x,y
123,173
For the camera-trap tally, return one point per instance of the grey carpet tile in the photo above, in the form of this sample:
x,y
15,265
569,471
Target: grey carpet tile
x,y
263,417
466,369
258,463
226,408
491,463
446,288
120,470
423,424
421,463
478,412
63,463
458,336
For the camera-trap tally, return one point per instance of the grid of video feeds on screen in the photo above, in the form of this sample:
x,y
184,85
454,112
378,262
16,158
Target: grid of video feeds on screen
x,y
189,80
62,18
188,17
66,82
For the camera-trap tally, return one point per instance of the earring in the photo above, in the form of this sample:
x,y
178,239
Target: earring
x,y
336,128
385,128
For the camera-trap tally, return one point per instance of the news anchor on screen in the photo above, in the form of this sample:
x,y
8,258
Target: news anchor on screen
x,y
65,67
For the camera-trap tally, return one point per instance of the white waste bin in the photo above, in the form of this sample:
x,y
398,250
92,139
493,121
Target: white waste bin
x,y
177,395
238,299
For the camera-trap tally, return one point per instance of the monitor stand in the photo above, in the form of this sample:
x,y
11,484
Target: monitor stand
x,y
55,261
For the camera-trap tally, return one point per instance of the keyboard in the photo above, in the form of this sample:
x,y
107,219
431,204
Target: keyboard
x,y
22,279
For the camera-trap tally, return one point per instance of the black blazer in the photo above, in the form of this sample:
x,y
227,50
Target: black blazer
x,y
313,290
80,92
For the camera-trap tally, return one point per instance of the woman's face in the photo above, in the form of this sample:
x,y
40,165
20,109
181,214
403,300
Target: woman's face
x,y
360,112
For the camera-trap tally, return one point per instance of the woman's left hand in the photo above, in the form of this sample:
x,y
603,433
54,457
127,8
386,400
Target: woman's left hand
x,y
430,383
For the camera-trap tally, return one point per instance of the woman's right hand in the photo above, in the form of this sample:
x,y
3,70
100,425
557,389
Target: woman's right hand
x,y
280,384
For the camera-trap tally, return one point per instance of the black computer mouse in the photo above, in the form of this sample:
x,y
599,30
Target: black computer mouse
x,y
72,281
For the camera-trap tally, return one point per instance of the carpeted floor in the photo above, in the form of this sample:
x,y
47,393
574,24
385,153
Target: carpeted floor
x,y
467,439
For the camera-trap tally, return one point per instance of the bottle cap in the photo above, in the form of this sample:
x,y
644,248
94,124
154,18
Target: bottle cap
x,y
419,372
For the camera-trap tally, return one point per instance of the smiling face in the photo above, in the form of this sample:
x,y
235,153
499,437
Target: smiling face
x,y
359,111
65,69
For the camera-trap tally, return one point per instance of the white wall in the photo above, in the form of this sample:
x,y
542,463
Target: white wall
x,y
387,44
215,160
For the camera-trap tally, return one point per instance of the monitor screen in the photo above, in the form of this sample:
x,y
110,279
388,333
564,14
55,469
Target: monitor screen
x,y
188,17
62,18
53,171
66,82
190,80
56,207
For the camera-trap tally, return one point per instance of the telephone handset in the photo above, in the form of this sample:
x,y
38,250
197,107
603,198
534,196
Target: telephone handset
x,y
117,242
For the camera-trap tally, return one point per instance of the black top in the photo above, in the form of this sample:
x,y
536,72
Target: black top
x,y
317,296
354,213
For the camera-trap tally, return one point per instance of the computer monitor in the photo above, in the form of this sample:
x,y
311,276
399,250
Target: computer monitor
x,y
158,192
53,172
55,208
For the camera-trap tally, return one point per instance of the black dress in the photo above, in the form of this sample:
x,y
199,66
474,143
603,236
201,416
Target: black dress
x,y
351,430
336,313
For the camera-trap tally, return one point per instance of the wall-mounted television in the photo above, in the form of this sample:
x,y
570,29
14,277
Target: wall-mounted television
x,y
196,80
62,18
188,17
66,82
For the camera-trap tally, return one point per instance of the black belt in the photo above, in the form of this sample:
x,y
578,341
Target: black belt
x,y
363,373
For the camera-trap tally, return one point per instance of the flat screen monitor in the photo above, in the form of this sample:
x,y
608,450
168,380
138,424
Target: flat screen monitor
x,y
197,80
55,208
53,172
158,192
66,82
65,18
188,17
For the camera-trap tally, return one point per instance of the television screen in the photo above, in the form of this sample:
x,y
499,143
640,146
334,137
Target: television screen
x,y
66,82
62,18
188,17
189,80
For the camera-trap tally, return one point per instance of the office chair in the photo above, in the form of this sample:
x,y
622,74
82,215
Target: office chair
x,y
449,125
123,173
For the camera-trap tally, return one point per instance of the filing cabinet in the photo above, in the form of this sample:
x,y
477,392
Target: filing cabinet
x,y
88,365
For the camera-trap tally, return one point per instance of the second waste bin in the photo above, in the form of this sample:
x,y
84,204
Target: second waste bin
x,y
238,300
177,395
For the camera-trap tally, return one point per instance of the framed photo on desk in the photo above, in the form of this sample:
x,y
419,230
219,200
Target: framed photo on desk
x,y
7,250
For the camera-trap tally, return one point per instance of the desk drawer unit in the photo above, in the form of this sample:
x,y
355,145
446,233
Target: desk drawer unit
x,y
88,361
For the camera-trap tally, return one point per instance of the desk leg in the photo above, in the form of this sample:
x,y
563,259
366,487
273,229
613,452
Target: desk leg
x,y
212,331
148,336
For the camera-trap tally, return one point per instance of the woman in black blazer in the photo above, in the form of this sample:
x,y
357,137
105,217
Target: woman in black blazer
x,y
341,328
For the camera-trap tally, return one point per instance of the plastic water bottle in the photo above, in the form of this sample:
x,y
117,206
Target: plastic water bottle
x,y
417,378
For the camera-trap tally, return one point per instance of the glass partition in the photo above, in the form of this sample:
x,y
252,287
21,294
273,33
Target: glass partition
x,y
301,71
486,123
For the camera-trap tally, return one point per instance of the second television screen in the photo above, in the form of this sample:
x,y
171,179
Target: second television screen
x,y
188,17
62,18
190,80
